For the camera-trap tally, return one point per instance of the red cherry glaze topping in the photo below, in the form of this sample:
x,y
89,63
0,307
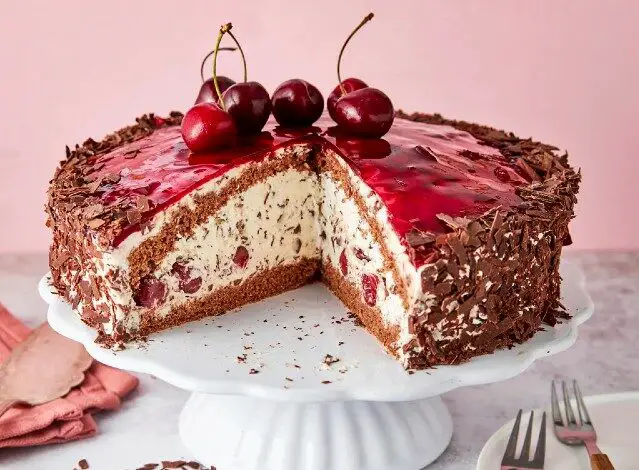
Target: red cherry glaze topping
x,y
350,84
447,170
297,103
367,112
369,286
150,293
206,127
208,94
249,105
343,263
241,256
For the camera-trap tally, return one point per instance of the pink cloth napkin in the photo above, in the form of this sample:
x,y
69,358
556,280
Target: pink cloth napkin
x,y
64,419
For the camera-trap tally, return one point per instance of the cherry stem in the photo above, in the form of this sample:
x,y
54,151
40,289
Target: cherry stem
x,y
217,48
228,30
366,19
209,55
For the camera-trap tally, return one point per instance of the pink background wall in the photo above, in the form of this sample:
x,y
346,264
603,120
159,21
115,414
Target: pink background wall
x,y
566,72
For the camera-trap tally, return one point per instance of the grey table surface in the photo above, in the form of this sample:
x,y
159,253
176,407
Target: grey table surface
x,y
604,359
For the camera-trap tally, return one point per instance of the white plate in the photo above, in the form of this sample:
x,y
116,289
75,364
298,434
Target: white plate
x,y
615,418
289,336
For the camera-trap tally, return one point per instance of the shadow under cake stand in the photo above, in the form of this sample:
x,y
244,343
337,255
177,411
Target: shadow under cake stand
x,y
292,383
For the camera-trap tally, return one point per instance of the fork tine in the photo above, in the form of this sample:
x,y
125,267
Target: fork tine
x,y
575,387
540,452
570,416
554,402
581,406
525,450
511,448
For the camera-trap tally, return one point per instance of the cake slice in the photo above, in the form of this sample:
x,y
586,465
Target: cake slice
x,y
444,237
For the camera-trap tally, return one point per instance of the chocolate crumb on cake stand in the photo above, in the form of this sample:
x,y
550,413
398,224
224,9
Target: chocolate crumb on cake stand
x,y
293,382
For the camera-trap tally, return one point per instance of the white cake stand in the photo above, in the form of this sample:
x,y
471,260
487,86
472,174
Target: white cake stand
x,y
264,397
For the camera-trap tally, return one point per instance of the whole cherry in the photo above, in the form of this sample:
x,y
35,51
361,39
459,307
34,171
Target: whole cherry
x,y
207,127
350,84
297,103
248,103
208,94
207,90
365,112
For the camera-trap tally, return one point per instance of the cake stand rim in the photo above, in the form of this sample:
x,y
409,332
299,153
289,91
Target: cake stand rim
x,y
520,360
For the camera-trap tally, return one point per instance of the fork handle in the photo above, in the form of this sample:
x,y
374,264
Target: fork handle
x,y
600,462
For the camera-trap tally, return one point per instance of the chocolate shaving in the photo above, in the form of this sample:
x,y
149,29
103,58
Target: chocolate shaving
x,y
527,169
95,223
417,238
133,216
112,178
93,211
143,203
60,259
173,463
454,222
329,360
93,187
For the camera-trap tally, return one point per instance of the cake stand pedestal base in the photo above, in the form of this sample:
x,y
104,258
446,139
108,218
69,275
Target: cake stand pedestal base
x,y
243,433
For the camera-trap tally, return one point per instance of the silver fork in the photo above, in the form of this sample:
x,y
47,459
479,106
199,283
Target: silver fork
x,y
511,462
577,433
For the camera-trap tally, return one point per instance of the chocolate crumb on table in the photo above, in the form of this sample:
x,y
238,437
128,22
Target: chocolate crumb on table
x,y
330,359
175,464
83,464
148,466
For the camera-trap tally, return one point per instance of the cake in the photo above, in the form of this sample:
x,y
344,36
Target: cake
x,y
444,237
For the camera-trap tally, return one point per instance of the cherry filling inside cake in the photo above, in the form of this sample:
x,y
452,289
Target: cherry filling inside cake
x,y
444,237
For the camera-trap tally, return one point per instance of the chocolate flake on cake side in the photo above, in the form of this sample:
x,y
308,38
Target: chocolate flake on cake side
x,y
81,223
477,270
